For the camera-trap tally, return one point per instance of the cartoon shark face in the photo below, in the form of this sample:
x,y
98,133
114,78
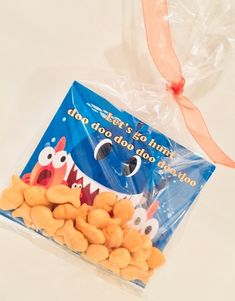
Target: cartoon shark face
x,y
107,165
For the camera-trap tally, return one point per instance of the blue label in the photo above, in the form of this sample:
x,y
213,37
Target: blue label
x,y
94,145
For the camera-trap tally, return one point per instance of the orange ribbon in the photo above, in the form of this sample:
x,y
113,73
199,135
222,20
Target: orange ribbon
x,y
164,57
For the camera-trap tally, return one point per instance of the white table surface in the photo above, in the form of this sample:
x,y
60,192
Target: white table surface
x,y
44,46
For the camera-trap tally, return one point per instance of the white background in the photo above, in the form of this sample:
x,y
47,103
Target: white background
x,y
44,46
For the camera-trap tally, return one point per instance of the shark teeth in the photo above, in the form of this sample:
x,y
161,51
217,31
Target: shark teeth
x,y
86,181
91,188
75,167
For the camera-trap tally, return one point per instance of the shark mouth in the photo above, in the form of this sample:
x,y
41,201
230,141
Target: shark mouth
x,y
90,188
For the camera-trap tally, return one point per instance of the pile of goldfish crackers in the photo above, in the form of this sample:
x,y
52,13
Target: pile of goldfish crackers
x,y
99,232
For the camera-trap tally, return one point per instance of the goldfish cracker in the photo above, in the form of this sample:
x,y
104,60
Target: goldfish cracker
x,y
97,253
124,210
59,239
83,210
11,199
24,212
101,219
139,258
19,184
66,212
120,258
107,264
156,258
73,238
105,200
132,240
113,236
43,219
36,196
94,235
62,194
147,242
124,227
133,273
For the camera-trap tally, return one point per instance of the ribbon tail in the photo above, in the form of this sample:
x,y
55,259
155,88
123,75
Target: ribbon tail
x,y
161,48
197,127
159,39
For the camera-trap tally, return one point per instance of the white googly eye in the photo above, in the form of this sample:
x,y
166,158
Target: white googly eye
x,y
76,185
150,228
138,218
102,149
60,159
46,156
131,166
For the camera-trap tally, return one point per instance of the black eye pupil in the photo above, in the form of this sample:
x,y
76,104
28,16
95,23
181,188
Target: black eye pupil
x,y
49,156
137,221
63,159
148,230
103,151
130,166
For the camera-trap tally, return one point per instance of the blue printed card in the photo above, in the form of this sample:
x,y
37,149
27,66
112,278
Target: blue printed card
x,y
92,144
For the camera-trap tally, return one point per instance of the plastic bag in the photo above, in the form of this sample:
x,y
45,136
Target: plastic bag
x,y
119,169
94,147
203,34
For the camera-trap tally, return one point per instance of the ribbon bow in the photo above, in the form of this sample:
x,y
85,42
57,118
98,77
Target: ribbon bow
x,y
164,57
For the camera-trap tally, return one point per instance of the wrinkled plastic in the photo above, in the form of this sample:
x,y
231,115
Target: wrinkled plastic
x,y
143,103
93,145
203,34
